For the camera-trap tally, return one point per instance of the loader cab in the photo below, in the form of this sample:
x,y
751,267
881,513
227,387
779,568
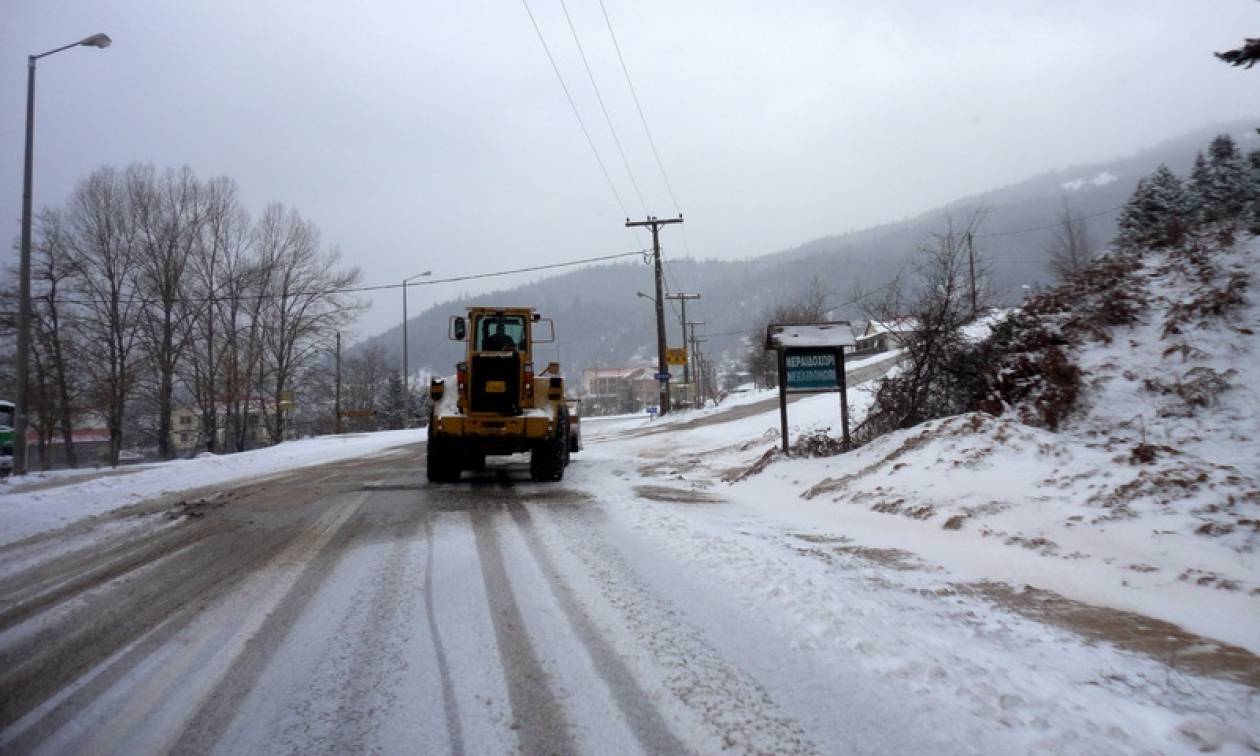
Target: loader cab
x,y
495,332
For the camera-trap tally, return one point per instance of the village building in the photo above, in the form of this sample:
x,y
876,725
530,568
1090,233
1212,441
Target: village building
x,y
885,335
614,391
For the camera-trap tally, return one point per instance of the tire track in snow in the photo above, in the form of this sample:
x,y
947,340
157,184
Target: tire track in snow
x,y
538,717
730,704
32,591
119,631
222,704
450,705
649,728
169,686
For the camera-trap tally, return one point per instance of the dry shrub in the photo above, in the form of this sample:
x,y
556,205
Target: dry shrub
x,y
1198,388
818,444
1210,301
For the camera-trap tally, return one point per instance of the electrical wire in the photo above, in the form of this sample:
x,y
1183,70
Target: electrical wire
x,y
638,106
573,105
600,97
1056,224
383,287
643,119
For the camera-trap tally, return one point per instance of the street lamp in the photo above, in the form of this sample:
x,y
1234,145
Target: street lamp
x,y
406,362
24,286
645,296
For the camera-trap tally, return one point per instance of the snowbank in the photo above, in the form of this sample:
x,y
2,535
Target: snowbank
x,y
26,512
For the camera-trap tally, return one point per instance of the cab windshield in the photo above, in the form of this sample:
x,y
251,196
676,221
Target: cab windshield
x,y
497,333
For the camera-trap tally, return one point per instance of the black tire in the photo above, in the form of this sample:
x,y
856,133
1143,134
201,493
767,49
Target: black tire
x,y
441,465
548,458
475,461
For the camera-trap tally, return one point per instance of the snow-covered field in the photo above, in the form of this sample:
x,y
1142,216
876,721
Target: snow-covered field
x,y
38,502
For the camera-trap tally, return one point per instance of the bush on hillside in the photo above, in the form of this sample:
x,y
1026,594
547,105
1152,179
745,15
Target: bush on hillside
x,y
1027,366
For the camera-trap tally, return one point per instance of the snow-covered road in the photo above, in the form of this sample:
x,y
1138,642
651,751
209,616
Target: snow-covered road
x,y
355,608
637,607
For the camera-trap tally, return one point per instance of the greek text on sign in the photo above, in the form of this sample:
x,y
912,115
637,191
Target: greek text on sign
x,y
811,370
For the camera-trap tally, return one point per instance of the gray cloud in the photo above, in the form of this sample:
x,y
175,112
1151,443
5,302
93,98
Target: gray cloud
x,y
435,136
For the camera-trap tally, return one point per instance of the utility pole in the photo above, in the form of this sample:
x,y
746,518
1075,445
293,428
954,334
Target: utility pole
x,y
406,369
702,375
337,390
662,368
692,353
971,266
681,297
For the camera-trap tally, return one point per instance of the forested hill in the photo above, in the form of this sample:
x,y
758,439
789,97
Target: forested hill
x,y
601,322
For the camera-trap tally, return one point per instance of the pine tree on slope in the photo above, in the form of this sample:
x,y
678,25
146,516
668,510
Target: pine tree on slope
x,y
1157,214
1229,190
1253,176
1198,187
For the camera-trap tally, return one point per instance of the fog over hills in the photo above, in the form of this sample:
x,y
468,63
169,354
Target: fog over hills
x,y
601,322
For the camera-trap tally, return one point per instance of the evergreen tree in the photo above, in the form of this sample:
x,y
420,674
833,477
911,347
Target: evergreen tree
x,y
395,410
1157,214
1199,187
1229,191
1253,175
1133,222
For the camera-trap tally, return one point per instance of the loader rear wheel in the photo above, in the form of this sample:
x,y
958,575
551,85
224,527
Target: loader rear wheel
x,y
441,463
547,460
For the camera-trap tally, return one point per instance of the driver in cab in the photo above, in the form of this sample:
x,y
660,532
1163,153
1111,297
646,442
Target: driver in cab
x,y
499,341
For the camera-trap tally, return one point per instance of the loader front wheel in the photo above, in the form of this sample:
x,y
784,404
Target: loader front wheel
x,y
547,460
442,465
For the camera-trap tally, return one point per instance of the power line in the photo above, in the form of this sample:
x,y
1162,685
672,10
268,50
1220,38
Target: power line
x,y
990,234
573,106
643,119
381,287
1048,226
600,97
638,106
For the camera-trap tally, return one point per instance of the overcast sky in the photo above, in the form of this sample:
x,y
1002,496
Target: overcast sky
x,y
423,135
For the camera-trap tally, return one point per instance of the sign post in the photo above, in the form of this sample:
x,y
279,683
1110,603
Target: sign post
x,y
811,361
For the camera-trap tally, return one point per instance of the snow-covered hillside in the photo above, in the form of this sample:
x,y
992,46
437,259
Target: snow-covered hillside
x,y
1147,497
1129,535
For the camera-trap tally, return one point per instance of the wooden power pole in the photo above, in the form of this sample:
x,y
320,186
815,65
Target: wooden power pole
x,y
693,354
971,265
337,390
662,367
682,298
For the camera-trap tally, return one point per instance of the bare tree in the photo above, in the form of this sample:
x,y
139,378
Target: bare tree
x,y
935,379
302,302
52,273
104,243
1070,250
240,304
220,249
365,382
809,307
168,212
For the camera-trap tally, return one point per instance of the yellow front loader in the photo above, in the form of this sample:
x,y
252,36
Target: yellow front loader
x,y
499,404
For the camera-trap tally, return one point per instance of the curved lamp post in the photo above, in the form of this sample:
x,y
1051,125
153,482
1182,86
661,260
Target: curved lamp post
x,y
24,294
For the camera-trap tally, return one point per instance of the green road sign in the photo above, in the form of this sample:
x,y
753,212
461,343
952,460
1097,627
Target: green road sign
x,y
811,370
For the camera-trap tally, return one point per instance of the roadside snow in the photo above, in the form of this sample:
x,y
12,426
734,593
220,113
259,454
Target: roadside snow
x,y
24,513
1095,589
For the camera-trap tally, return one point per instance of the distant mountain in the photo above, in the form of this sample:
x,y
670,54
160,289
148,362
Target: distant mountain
x,y
600,322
